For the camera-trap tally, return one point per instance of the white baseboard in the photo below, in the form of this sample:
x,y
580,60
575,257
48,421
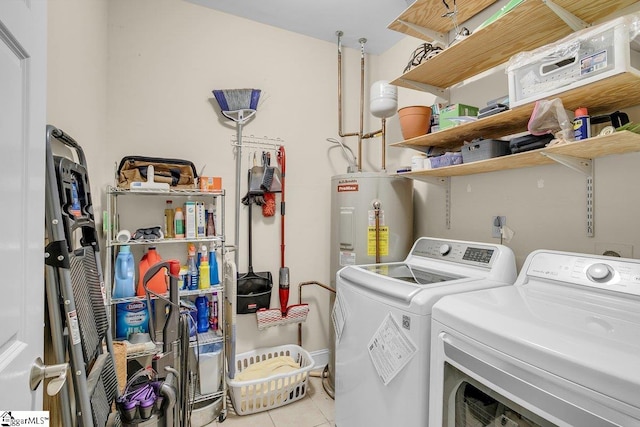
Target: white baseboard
x,y
321,358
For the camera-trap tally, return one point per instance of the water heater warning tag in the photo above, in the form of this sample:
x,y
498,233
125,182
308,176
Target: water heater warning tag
x,y
383,241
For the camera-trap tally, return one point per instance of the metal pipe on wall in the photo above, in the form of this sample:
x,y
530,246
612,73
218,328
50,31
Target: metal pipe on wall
x,y
360,134
362,41
340,133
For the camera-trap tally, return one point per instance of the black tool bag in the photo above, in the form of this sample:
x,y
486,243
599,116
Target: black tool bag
x,y
175,172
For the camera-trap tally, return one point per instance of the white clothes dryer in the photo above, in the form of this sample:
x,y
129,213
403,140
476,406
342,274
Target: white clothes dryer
x,y
559,348
382,321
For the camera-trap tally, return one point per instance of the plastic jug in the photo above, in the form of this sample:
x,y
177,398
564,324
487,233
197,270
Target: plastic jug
x,y
202,306
158,283
124,280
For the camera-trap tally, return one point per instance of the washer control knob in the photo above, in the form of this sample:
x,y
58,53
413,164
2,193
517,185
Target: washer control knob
x,y
599,272
445,249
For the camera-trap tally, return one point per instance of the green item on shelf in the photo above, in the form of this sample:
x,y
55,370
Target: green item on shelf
x,y
454,111
499,14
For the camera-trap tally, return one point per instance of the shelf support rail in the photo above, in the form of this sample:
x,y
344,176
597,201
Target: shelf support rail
x,y
444,182
435,37
569,18
585,167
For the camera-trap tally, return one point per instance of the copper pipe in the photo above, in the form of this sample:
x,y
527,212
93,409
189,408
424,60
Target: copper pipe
x,y
384,144
362,42
376,209
339,34
329,288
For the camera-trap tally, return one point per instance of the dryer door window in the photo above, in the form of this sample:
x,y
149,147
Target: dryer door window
x,y
472,405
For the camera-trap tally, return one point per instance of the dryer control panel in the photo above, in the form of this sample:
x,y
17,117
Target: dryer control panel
x,y
619,275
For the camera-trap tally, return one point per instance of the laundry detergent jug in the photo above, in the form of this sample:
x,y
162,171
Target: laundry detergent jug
x,y
124,281
158,282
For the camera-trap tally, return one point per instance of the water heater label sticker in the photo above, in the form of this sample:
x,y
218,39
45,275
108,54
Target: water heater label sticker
x,y
347,258
383,241
72,321
390,349
372,218
339,315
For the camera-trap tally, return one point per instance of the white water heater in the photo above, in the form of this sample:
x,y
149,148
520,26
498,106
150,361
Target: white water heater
x,y
357,199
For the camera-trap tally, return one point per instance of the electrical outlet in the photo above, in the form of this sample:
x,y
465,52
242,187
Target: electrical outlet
x,y
614,249
496,223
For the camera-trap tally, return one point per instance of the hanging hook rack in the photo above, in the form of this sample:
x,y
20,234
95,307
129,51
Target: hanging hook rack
x,y
258,142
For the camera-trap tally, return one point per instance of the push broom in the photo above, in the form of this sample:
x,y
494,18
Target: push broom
x,y
286,314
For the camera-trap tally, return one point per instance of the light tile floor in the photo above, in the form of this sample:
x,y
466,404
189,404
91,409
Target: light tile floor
x,y
316,409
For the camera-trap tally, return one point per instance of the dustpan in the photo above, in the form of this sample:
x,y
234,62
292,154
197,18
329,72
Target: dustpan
x,y
254,289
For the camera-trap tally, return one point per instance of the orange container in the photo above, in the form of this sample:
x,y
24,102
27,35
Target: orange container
x,y
158,282
414,121
210,183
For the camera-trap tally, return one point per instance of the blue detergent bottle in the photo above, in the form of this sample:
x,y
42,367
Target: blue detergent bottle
x,y
124,286
214,276
202,307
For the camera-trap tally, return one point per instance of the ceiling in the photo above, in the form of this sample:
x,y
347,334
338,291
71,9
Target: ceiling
x,y
321,19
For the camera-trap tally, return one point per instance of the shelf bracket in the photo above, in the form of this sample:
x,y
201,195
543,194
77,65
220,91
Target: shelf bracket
x,y
585,167
438,91
436,37
569,18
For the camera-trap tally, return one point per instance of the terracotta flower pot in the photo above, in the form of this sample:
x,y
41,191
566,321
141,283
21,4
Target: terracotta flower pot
x,y
414,120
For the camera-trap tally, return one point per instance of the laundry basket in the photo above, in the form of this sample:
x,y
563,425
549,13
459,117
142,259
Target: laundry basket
x,y
273,391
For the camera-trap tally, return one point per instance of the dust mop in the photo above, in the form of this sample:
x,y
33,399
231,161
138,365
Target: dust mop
x,y
285,315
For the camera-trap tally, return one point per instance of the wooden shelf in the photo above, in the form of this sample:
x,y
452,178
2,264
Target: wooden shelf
x,y
530,25
607,95
428,14
599,146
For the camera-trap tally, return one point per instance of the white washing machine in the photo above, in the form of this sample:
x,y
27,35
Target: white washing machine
x,y
382,321
559,348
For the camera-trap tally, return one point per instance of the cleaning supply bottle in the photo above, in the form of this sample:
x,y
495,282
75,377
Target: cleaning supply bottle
x,y
582,124
158,282
202,306
179,224
192,270
169,220
124,286
214,276
204,269
211,222
213,312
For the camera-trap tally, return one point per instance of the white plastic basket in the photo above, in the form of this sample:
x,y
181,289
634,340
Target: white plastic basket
x,y
253,396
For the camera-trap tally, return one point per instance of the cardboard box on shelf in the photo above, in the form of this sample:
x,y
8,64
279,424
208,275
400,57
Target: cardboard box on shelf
x,y
455,110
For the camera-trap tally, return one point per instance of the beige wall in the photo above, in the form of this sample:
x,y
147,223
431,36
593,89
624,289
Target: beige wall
x,y
136,78
77,80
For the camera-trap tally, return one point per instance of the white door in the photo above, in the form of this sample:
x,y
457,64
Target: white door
x,y
22,180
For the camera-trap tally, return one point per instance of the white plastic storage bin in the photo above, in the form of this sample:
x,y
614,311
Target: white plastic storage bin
x,y
210,368
273,391
581,58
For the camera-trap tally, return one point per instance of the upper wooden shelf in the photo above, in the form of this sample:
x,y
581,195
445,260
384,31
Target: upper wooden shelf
x,y
599,146
430,15
604,96
530,25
